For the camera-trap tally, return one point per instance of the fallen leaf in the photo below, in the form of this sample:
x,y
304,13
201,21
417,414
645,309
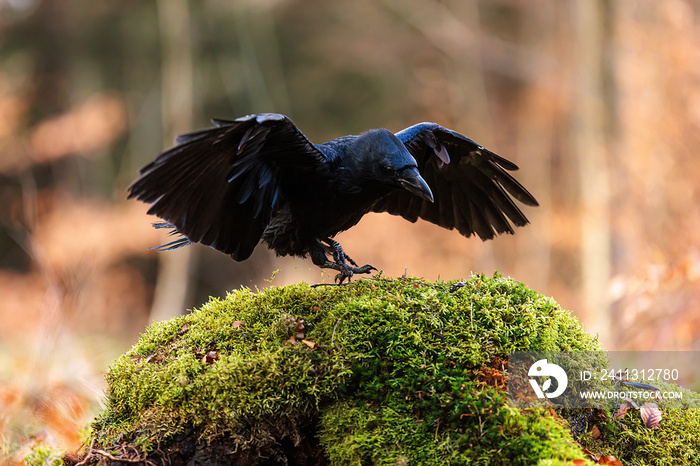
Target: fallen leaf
x,y
291,340
610,460
238,323
577,462
184,329
622,410
651,415
595,432
210,357
308,343
630,402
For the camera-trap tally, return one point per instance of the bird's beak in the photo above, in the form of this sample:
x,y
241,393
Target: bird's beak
x,y
412,182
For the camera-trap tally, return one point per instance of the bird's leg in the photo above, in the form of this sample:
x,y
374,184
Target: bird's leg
x,y
338,253
339,263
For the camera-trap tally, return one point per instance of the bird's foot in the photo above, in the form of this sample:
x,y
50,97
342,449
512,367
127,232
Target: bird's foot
x,y
341,262
346,271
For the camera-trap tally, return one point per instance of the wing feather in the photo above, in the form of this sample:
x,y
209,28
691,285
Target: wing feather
x,y
472,188
219,186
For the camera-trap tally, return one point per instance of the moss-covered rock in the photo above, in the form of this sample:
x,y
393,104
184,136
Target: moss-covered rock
x,y
379,371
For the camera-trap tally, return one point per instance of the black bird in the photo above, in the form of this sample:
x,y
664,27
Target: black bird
x,y
258,177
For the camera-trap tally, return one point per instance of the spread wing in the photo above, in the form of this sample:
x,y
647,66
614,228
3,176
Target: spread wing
x,y
472,188
219,186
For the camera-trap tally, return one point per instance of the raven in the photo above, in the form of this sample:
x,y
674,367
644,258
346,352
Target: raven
x,y
258,177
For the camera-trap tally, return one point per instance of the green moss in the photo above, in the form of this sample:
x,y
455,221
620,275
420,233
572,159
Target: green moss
x,y
491,433
388,372
43,455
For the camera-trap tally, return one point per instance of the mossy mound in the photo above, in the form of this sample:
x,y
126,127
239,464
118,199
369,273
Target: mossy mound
x,y
379,371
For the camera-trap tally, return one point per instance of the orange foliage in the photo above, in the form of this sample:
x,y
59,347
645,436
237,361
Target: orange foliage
x,y
91,125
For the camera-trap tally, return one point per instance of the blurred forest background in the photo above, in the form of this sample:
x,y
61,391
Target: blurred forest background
x,y
597,101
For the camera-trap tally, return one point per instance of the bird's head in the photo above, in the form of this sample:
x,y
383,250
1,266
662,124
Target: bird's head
x,y
383,158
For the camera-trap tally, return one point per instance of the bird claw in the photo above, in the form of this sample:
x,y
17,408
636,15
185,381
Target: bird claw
x,y
346,272
342,263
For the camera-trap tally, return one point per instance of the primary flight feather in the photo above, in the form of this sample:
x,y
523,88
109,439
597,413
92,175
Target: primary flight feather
x,y
259,178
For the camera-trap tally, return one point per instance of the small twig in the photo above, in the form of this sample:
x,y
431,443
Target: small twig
x,y
123,459
84,461
92,452
88,456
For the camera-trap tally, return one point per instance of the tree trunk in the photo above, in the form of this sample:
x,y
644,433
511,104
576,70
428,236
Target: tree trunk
x,y
173,288
589,150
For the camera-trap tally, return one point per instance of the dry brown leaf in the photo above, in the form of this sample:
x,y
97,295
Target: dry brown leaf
x,y
308,343
210,357
595,432
610,460
622,410
238,323
651,415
